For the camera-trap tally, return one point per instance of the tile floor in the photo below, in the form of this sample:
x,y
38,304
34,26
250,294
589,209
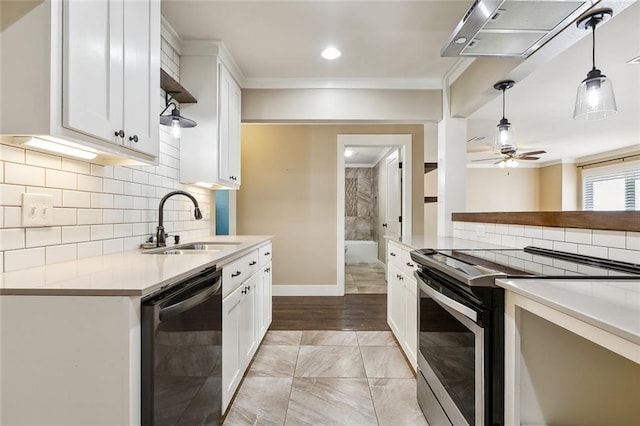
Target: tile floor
x,y
327,378
361,278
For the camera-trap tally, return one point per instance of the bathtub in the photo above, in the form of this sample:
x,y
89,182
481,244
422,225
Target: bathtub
x,y
360,252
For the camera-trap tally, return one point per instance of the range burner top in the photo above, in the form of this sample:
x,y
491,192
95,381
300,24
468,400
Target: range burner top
x,y
482,266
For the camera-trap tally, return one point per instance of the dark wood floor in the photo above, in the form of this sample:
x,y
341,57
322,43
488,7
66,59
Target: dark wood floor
x,y
364,312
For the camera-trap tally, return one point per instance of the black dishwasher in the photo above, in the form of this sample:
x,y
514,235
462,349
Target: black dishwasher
x,y
182,352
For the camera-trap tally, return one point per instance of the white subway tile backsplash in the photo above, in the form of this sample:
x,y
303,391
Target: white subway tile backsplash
x,y
61,253
113,186
101,232
89,183
11,239
101,171
23,175
123,202
633,240
90,249
89,216
76,198
60,179
131,216
132,188
112,246
132,243
580,236
75,234
75,166
632,256
34,158
123,173
596,251
609,238
12,217
1,172
509,241
12,154
502,229
495,239
568,247
533,231
140,176
65,216
112,216
122,230
554,234
517,230
522,242
102,201
11,195
21,259
37,237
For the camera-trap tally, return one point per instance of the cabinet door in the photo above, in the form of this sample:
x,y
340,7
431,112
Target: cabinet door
x,y
92,67
142,75
248,320
411,320
264,300
229,128
395,302
232,358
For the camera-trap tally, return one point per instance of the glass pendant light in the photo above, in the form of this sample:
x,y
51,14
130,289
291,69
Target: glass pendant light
x,y
595,99
504,139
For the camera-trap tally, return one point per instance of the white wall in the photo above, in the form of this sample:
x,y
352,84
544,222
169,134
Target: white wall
x,y
97,209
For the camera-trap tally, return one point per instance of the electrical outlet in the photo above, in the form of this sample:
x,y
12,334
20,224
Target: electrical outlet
x,y
37,209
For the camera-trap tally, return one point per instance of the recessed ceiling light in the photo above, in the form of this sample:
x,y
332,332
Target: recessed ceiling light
x,y
634,61
331,53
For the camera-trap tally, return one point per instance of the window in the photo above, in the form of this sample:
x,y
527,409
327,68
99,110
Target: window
x,y
612,188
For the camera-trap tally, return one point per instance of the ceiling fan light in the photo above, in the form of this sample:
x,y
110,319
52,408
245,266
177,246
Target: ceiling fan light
x,y
595,99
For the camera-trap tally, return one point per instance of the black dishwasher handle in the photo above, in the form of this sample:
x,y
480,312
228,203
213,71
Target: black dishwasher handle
x,y
191,300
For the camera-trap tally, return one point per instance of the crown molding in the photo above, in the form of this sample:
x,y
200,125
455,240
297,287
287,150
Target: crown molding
x,y
343,83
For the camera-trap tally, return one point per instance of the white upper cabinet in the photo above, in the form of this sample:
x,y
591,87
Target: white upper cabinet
x,y
86,72
210,152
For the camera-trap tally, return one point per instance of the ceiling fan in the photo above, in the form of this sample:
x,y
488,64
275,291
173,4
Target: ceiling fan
x,y
510,157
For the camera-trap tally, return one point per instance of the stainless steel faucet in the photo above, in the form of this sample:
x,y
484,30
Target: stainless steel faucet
x,y
160,235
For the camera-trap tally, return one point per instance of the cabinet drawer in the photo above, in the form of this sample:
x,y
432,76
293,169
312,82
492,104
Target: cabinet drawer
x,y
264,253
236,272
395,255
408,264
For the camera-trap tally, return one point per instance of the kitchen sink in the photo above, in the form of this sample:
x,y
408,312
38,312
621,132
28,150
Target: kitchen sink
x,y
194,248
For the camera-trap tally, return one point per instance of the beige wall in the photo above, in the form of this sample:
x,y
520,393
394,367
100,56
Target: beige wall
x,y
289,179
501,190
551,188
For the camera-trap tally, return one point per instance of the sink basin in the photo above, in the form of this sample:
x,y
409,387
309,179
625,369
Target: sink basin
x,y
194,248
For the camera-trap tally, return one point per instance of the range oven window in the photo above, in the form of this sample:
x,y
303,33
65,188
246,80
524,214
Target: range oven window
x,y
449,347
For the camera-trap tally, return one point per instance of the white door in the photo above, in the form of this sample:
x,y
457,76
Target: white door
x,y
393,208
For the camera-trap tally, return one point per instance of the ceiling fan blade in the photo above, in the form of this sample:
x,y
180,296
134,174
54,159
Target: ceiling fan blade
x,y
527,157
500,161
487,159
533,153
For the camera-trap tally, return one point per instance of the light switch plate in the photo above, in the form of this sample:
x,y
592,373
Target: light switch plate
x,y
37,209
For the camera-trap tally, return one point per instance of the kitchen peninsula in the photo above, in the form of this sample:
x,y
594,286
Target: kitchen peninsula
x,y
71,337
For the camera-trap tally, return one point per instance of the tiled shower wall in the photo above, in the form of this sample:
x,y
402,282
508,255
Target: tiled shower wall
x,y
618,245
97,209
361,204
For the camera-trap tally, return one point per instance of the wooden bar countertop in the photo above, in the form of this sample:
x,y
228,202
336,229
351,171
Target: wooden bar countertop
x,y
609,220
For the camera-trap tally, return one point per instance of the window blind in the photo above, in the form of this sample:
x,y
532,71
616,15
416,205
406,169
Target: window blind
x,y
612,188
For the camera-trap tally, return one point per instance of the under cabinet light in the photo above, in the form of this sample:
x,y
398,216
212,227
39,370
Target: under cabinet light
x,y
60,147
331,53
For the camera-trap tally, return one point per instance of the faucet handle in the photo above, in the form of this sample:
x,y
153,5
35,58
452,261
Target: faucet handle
x,y
176,239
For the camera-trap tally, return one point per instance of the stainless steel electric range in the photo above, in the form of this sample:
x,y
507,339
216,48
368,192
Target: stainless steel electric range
x,y
461,323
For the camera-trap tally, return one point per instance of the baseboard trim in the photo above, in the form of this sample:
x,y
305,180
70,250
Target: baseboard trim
x,y
306,290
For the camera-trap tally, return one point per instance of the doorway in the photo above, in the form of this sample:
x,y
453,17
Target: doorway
x,y
374,178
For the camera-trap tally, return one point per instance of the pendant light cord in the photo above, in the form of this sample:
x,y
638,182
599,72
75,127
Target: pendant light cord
x,y
593,46
503,102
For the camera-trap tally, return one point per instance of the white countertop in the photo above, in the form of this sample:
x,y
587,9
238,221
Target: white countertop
x,y
129,273
415,242
611,305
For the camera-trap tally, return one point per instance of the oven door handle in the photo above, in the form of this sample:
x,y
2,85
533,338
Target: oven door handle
x,y
444,300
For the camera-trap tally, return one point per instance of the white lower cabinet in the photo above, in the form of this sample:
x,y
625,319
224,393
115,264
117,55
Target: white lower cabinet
x,y
246,316
402,304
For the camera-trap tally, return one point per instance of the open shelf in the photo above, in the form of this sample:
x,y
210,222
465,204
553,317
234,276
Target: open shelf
x,y
178,93
428,167
430,199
